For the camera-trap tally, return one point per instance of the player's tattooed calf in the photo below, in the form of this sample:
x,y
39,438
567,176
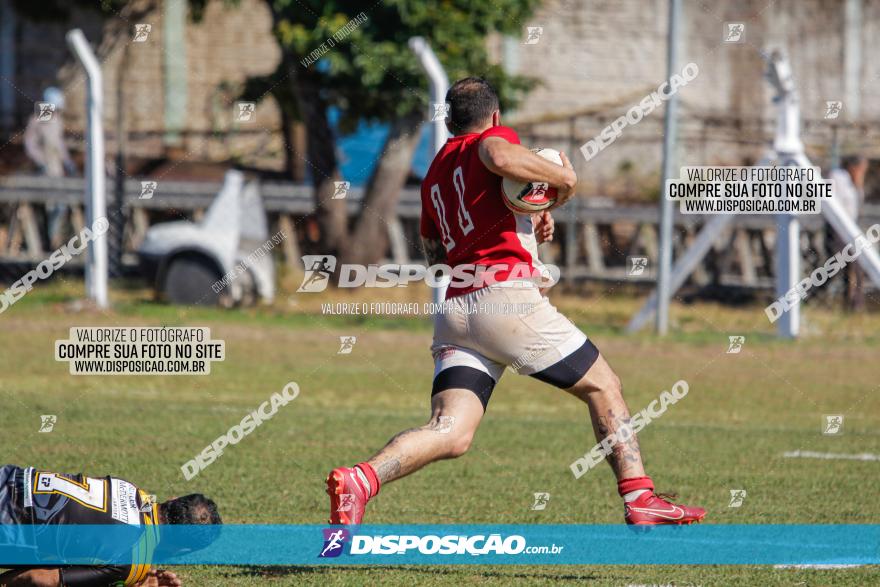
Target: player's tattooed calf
x,y
388,470
626,454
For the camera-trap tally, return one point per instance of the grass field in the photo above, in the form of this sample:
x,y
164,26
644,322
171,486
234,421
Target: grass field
x,y
742,413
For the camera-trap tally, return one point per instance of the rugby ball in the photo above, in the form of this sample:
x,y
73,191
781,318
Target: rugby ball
x,y
534,196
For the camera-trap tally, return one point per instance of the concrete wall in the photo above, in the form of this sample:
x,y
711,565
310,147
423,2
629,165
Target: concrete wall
x,y
216,56
605,55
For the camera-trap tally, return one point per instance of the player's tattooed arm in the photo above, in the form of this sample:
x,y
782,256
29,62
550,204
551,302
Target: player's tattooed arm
x,y
435,252
518,163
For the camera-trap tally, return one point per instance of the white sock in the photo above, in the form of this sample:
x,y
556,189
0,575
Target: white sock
x,y
633,495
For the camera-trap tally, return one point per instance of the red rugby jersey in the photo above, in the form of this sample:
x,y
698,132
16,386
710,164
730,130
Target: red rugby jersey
x,y
462,207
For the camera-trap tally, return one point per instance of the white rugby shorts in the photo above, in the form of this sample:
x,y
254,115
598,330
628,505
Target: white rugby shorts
x,y
505,324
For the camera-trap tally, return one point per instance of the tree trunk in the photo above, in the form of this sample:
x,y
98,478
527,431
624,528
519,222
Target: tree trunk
x,y
288,142
369,240
322,163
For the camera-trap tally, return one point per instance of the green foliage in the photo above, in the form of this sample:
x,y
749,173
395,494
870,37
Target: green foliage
x,y
371,72
258,87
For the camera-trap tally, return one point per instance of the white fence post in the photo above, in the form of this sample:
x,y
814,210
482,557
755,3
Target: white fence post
x,y
96,194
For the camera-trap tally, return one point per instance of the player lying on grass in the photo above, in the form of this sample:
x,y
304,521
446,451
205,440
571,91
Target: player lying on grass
x,y
32,497
465,221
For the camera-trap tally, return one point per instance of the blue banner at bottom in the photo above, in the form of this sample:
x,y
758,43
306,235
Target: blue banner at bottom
x,y
442,544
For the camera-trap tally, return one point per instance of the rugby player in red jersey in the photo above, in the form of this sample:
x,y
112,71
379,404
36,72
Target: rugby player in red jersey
x,y
466,222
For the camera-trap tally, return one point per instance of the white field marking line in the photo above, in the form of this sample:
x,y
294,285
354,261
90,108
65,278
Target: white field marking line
x,y
809,454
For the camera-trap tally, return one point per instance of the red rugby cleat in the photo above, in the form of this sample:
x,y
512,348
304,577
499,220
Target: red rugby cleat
x,y
651,509
348,496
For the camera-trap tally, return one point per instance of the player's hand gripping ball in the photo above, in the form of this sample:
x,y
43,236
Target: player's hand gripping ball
x,y
534,196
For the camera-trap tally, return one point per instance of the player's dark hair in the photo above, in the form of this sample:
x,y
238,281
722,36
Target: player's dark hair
x,y
194,510
471,101
190,509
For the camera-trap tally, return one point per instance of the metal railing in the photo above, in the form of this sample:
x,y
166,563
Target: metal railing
x,y
596,236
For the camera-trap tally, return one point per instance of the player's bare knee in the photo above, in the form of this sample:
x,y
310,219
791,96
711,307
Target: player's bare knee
x,y
459,444
455,434
614,384
609,384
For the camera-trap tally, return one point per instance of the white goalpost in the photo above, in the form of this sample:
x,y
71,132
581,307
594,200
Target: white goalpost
x,y
439,84
95,192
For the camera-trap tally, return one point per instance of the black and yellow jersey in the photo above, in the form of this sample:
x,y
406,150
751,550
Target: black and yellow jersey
x,y
39,497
